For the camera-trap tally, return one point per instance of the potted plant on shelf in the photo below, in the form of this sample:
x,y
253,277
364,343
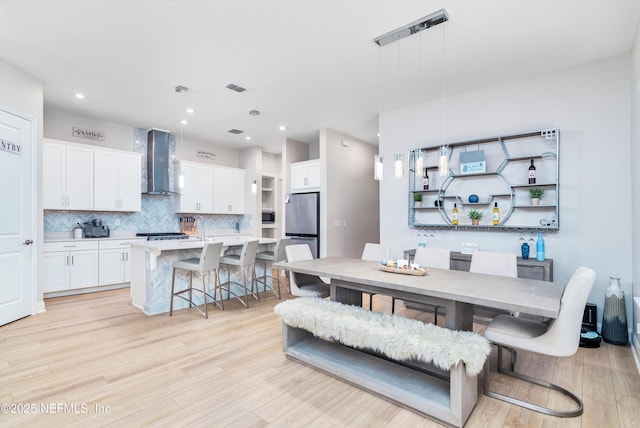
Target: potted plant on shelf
x,y
417,200
475,216
535,193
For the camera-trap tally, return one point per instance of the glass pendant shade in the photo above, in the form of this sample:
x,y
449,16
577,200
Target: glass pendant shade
x,y
419,164
443,161
254,187
398,165
377,167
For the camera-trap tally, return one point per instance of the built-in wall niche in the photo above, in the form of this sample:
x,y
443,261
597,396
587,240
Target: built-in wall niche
x,y
483,173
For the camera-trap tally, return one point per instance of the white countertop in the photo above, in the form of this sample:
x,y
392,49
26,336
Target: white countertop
x,y
191,243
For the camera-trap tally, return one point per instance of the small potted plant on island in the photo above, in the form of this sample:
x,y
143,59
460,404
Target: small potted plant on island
x,y
475,216
417,200
535,194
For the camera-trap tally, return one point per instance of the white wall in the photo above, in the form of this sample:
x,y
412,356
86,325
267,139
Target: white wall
x,y
590,105
634,316
350,203
22,94
59,125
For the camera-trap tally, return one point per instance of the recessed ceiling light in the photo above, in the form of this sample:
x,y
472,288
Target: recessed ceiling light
x,y
183,121
283,128
80,96
248,137
190,110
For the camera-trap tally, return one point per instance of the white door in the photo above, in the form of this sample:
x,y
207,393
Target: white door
x,y
16,217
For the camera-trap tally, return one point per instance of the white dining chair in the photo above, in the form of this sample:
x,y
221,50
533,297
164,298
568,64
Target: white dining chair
x,y
375,252
430,257
302,285
492,263
559,338
209,261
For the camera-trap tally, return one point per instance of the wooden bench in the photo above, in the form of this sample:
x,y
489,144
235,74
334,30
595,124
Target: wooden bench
x,y
425,368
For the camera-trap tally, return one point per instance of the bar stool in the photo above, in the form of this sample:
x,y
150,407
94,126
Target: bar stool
x,y
246,261
208,261
269,257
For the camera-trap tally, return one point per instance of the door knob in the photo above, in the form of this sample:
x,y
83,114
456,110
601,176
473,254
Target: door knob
x,y
28,242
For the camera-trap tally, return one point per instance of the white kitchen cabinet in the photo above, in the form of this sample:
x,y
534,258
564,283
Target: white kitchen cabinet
x,y
228,190
196,193
67,171
114,267
70,264
117,181
305,176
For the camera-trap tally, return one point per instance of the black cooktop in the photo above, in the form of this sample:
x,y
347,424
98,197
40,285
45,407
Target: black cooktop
x,y
156,236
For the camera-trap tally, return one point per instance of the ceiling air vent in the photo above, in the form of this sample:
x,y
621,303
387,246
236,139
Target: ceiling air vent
x,y
235,131
235,87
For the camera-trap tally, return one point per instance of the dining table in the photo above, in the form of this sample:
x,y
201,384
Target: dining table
x,y
456,291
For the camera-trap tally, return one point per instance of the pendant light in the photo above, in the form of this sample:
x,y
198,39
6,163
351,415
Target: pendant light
x,y
377,168
443,159
419,163
398,165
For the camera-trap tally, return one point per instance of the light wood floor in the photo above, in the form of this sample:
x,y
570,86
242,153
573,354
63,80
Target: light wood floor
x,y
111,365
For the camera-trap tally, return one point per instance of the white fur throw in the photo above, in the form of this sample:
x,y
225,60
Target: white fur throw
x,y
394,336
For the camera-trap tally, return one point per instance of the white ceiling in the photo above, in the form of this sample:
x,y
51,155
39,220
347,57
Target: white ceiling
x,y
306,64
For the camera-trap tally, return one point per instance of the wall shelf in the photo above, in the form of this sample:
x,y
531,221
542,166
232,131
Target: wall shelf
x,y
504,183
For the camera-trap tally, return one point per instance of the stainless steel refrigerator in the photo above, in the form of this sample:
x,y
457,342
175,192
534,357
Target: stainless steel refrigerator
x,y
302,222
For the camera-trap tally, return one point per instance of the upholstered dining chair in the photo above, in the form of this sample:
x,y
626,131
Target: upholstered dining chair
x,y
278,254
492,263
302,285
559,338
209,261
246,262
375,252
430,257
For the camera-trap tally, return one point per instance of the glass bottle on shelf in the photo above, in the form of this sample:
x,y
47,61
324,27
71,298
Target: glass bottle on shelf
x,y
425,180
495,215
454,215
532,173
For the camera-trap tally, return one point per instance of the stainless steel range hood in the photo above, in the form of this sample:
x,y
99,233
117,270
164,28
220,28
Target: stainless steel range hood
x,y
158,159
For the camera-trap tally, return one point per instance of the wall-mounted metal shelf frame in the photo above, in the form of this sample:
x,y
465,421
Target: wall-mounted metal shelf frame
x,y
504,181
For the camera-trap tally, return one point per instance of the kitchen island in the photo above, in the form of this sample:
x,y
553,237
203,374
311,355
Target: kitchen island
x,y
151,268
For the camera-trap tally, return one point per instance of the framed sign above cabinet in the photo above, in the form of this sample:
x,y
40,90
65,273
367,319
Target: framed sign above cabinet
x,y
493,178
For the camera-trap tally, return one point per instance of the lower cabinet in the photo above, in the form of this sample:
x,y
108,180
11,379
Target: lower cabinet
x,y
78,264
114,262
69,265
527,268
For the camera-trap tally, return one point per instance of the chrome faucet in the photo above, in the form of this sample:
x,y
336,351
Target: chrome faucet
x,y
202,235
237,227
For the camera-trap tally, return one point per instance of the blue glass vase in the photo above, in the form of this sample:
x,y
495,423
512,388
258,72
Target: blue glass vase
x,y
525,251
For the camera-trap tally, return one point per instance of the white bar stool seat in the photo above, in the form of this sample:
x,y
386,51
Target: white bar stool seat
x,y
246,262
208,261
269,257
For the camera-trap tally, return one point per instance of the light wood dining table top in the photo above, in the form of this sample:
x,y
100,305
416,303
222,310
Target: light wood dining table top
x,y
541,298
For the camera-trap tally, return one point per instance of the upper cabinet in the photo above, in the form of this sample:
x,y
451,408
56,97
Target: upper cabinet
x,y
82,177
67,171
207,189
117,181
305,176
195,183
492,176
228,190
